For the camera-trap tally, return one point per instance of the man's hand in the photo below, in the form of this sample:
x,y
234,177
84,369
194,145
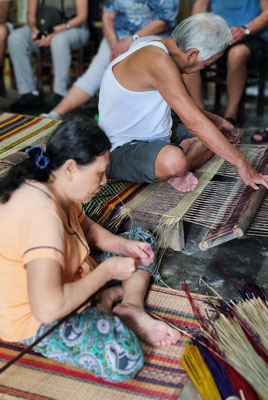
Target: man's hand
x,y
226,128
238,34
251,177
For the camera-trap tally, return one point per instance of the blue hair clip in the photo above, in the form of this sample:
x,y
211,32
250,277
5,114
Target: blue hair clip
x,y
40,160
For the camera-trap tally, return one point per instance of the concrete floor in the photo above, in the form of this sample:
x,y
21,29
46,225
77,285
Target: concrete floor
x,y
244,260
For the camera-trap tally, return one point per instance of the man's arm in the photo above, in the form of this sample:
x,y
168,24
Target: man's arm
x,y
200,6
174,92
255,26
261,21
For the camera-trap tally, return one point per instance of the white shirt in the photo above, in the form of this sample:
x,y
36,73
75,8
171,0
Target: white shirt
x,y
125,115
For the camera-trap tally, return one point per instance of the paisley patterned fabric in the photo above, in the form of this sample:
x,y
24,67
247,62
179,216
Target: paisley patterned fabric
x,y
132,15
94,340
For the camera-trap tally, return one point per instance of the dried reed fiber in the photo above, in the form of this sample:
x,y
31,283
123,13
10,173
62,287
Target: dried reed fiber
x,y
197,369
254,312
241,354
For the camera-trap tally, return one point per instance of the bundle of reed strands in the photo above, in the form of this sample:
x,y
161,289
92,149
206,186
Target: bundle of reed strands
x,y
201,376
233,348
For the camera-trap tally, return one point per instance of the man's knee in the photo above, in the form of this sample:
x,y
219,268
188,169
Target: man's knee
x,y
238,55
171,162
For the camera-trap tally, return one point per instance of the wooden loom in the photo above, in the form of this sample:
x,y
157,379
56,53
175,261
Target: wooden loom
x,y
236,215
221,202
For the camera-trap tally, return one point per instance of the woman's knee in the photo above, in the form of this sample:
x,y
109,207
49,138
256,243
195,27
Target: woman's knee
x,y
18,38
59,42
117,348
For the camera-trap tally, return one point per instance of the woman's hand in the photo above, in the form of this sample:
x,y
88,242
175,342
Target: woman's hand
x,y
46,41
121,47
141,251
119,267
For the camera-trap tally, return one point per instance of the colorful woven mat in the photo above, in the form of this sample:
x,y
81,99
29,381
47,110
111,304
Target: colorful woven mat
x,y
19,131
103,207
162,378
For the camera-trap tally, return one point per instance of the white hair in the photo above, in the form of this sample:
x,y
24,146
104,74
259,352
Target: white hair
x,y
207,32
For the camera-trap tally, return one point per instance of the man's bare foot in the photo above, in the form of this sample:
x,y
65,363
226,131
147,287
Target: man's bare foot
x,y
148,329
186,183
186,143
106,299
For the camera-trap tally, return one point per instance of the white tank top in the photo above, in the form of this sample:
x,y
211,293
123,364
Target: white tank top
x,y
125,115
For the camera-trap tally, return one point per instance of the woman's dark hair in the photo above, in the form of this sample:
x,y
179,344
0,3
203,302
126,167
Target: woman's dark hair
x,y
78,138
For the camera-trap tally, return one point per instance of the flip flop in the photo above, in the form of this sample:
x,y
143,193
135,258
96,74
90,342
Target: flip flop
x,y
263,133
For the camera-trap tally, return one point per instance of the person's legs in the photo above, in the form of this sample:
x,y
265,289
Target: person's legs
x,y
86,86
158,160
131,311
3,37
195,154
20,47
237,71
61,47
193,83
260,136
94,341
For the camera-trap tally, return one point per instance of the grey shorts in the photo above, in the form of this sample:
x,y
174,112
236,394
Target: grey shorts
x,y
135,161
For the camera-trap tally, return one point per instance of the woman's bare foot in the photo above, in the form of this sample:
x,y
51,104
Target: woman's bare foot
x,y
148,329
106,299
186,183
186,143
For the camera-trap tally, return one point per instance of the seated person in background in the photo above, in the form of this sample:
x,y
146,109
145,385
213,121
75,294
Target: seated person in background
x,y
46,267
4,31
246,19
123,23
22,42
137,93
261,135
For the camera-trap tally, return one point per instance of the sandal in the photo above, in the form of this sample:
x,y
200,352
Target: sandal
x,y
263,133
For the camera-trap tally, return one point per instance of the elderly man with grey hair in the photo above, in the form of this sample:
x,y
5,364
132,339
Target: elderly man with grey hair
x,y
138,91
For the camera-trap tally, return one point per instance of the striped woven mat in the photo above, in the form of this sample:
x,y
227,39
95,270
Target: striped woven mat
x,y
104,207
19,131
37,378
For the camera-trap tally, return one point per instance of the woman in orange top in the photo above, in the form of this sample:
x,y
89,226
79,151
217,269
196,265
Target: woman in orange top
x,y
47,272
